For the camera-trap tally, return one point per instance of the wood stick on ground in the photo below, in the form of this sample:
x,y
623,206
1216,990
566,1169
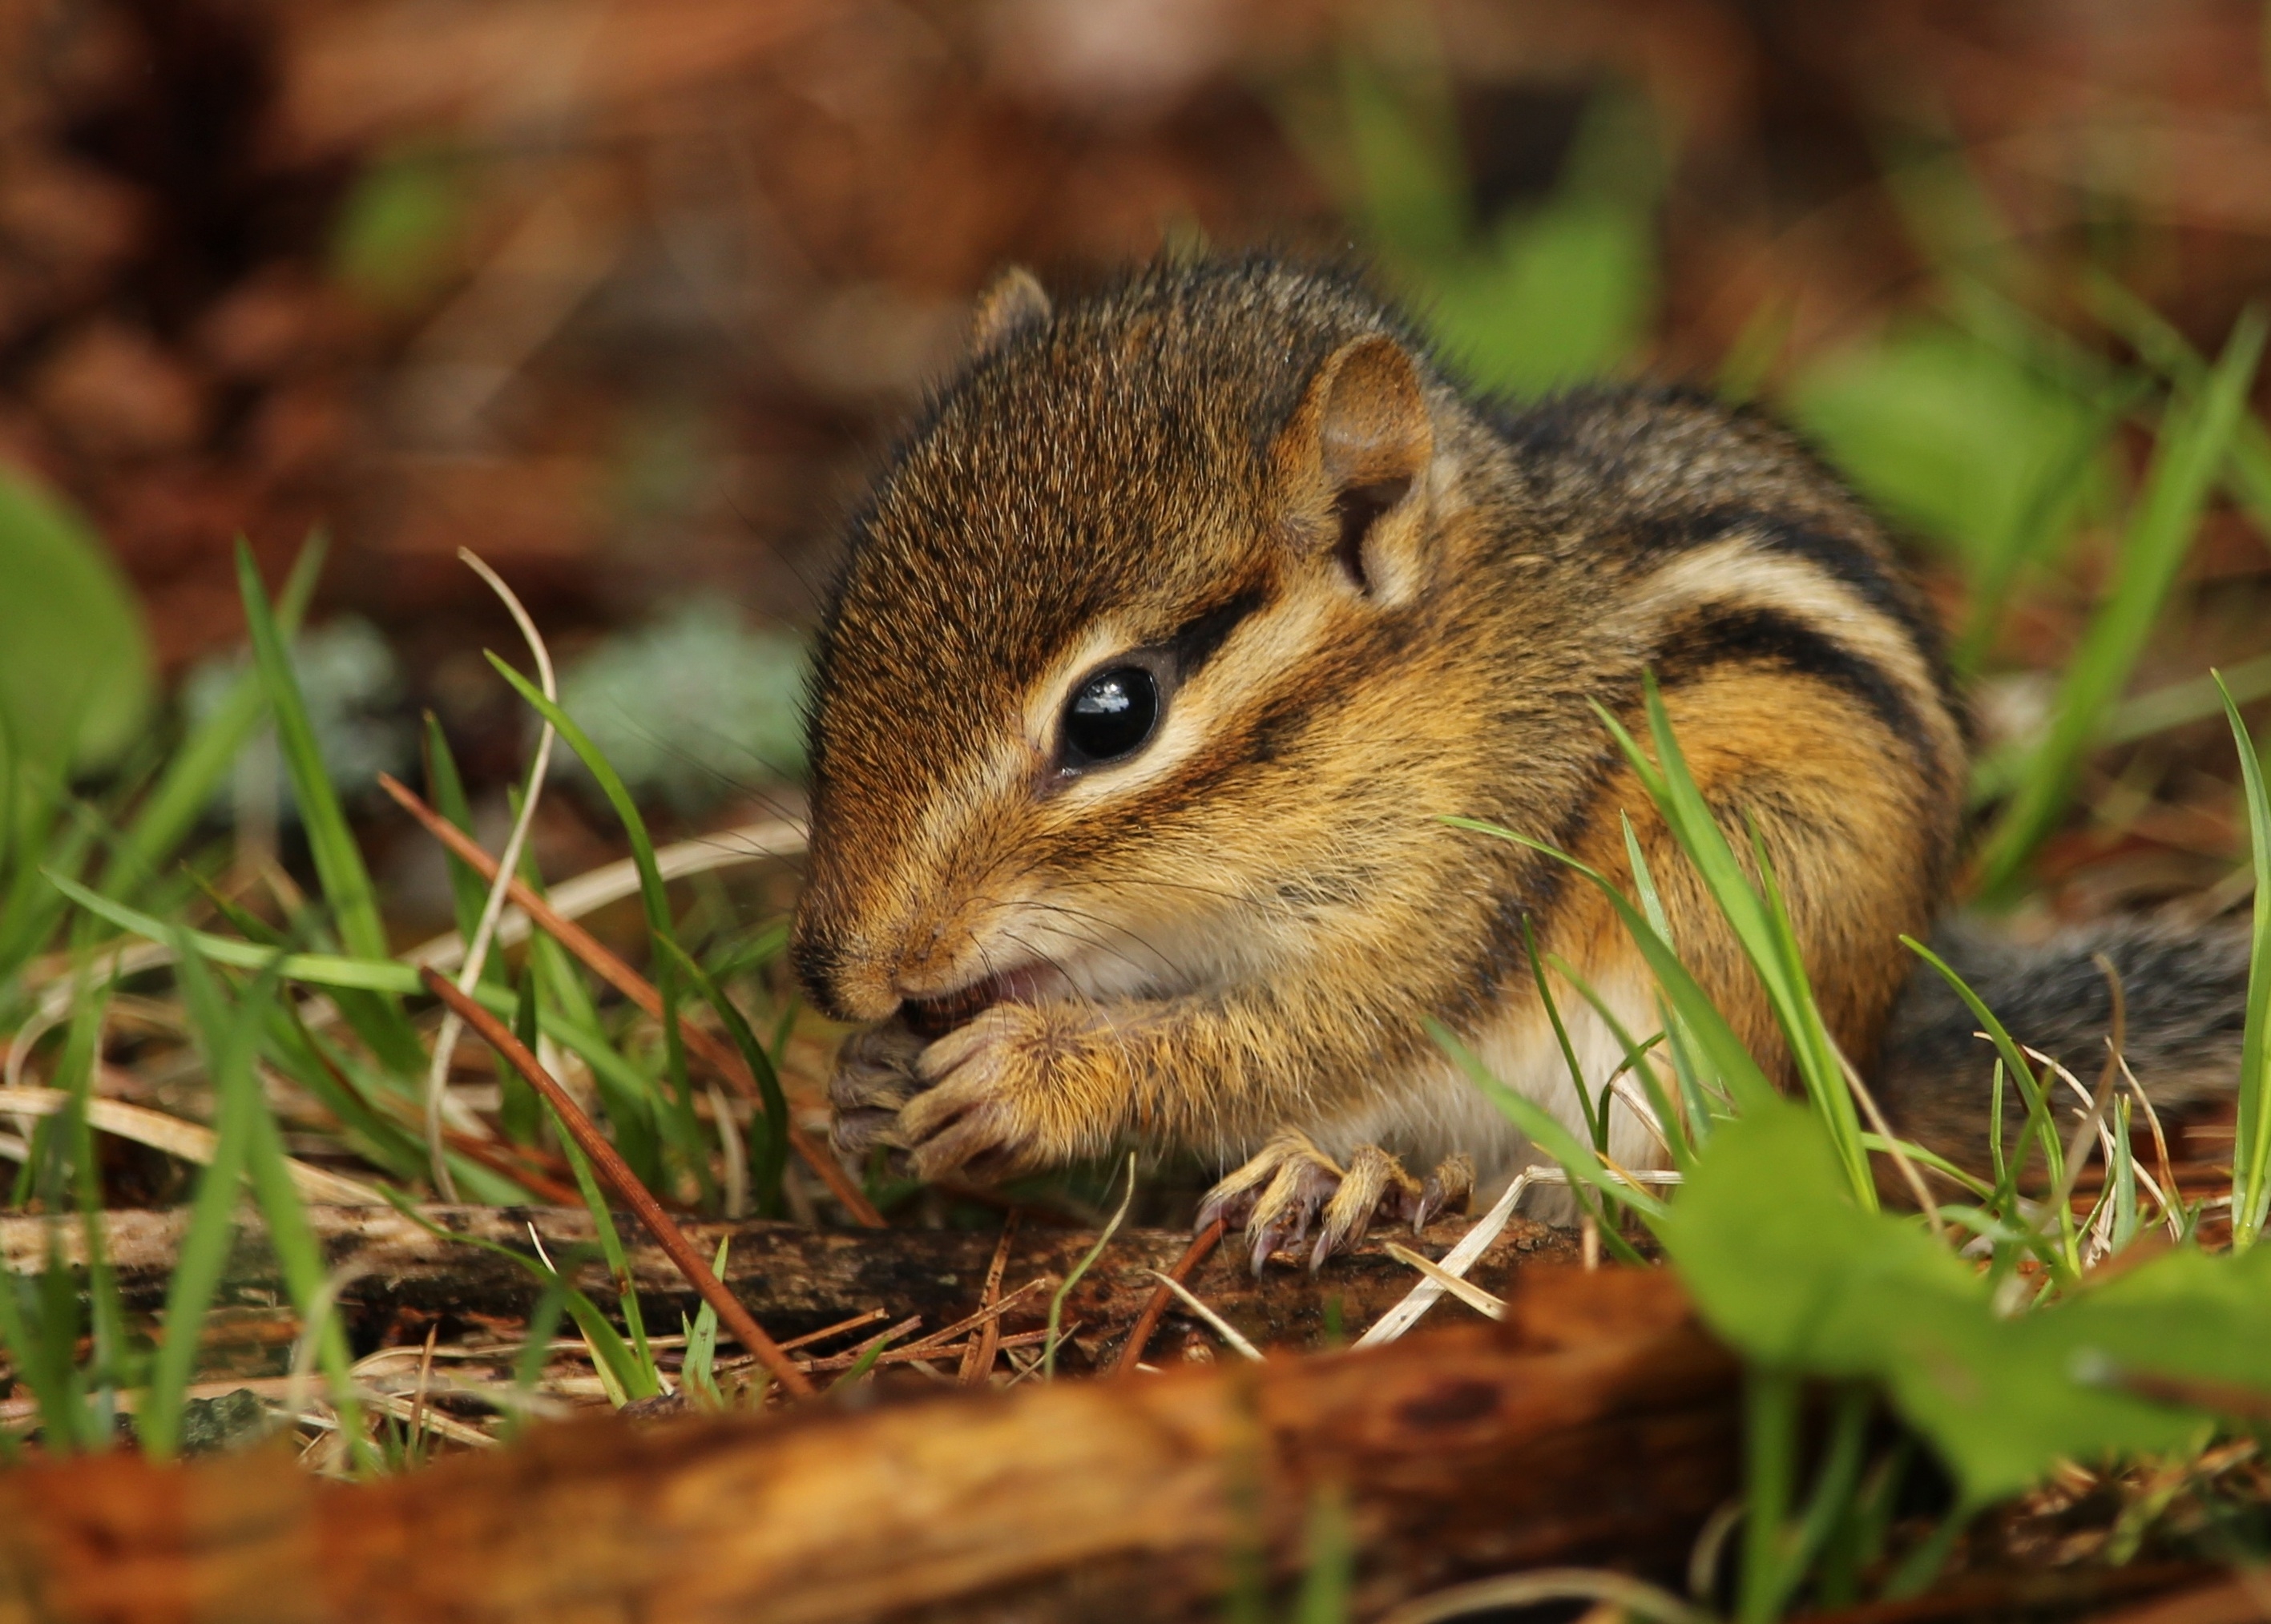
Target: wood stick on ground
x,y
1154,1311
611,969
613,1168
978,1360
1598,1424
793,1279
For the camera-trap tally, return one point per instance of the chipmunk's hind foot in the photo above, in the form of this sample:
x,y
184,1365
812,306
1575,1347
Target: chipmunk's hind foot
x,y
1293,1186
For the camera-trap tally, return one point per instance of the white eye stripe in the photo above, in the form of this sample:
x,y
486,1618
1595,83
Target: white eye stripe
x,y
1266,642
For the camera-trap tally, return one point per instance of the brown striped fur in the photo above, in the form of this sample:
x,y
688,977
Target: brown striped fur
x,y
1243,929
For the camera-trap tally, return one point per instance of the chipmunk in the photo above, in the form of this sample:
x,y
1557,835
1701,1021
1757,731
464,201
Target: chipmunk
x,y
1175,631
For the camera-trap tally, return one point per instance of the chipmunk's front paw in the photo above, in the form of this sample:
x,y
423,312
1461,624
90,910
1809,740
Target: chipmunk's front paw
x,y
1005,1094
1292,1184
874,1078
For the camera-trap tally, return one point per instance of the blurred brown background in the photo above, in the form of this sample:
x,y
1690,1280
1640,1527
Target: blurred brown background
x,y
628,297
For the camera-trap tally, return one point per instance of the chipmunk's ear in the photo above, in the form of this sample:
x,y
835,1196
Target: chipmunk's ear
x,y
1356,458
1012,302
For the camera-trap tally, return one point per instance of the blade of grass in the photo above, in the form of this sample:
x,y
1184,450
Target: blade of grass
x,y
2166,350
445,789
645,1377
2039,1127
609,1354
698,1372
1665,1120
1697,1120
1597,1122
1728,1055
330,845
1761,927
652,896
228,1041
345,883
857,1371
105,1316
772,1154
59,833
1546,1130
307,1278
1073,1278
334,971
2251,1146
2192,447
520,1112
179,798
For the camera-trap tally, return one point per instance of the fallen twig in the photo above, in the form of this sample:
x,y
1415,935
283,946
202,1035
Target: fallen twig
x,y
618,1174
1131,1351
977,1359
1598,1425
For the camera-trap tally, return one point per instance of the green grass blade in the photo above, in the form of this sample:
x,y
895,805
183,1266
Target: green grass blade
x,y
468,892
59,834
228,1043
1636,1061
653,896
1734,1063
520,1108
178,799
331,971
1597,1122
1820,1065
2251,1157
1761,927
34,1352
331,844
345,883
300,1260
643,1379
771,1157
860,1367
2040,1128
1547,1131
698,1372
2194,445
613,1357
309,1060
2166,350
1680,1044
74,1074
1073,1278
536,1351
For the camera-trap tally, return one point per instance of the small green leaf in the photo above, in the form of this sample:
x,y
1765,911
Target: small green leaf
x,y
1789,1270
76,672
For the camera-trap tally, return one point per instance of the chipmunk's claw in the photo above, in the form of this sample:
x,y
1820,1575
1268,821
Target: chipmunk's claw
x,y
1291,1185
1446,1188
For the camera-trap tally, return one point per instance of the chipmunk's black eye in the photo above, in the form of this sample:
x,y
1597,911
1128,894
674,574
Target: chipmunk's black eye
x,y
1112,714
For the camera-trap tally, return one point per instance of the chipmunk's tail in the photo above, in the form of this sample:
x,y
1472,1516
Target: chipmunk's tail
x,y
2184,998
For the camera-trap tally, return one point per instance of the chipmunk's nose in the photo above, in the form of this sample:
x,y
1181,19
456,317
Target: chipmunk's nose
x,y
841,974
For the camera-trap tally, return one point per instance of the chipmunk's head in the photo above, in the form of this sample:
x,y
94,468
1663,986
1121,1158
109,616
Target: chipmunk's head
x,y
1079,696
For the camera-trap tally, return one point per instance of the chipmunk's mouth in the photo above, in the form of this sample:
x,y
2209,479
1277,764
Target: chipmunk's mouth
x,y
934,1017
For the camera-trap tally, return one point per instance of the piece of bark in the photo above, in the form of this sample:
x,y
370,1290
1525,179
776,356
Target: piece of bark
x,y
793,1279
1598,1424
